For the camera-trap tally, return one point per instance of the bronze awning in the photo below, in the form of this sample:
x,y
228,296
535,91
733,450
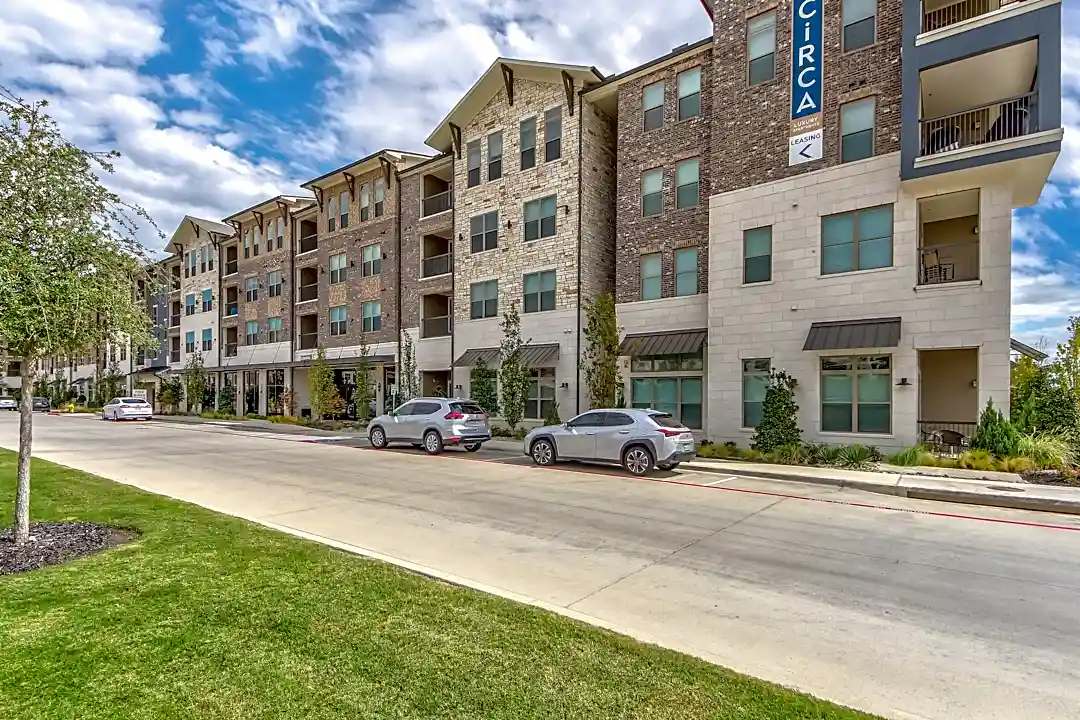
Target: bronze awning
x,y
536,356
673,342
490,356
853,334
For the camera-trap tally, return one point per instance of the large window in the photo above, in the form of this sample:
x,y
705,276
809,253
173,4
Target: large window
x,y
859,240
651,267
757,255
251,289
189,304
207,339
528,143
686,271
687,183
371,256
859,23
652,193
857,130
761,48
189,342
671,391
372,316
273,283
540,218
473,155
541,395
343,217
856,394
337,268
365,202
495,151
652,105
484,299
331,218
252,333
689,82
275,330
257,241
247,243
539,291
207,300
380,197
484,231
280,238
553,134
339,320
275,392
755,381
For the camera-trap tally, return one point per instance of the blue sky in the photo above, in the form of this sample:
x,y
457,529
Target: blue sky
x,y
218,104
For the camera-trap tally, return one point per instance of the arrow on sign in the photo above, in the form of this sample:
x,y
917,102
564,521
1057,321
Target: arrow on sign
x,y
802,152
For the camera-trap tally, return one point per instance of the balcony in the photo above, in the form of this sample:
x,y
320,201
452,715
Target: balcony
x,y
309,243
1000,120
174,320
435,312
309,284
438,203
937,14
438,192
309,237
436,256
309,331
433,327
949,238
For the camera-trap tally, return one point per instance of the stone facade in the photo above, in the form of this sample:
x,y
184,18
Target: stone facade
x,y
205,277
599,189
414,226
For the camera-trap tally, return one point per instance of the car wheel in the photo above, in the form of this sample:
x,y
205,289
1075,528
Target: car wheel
x,y
472,447
637,460
103,415
432,443
377,437
542,452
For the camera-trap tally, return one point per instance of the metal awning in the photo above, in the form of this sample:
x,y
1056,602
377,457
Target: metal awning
x,y
539,356
663,343
853,334
470,357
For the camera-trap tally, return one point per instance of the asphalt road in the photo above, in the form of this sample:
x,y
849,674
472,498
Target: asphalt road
x,y
909,609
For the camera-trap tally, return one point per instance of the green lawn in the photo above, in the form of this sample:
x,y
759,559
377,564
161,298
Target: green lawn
x,y
206,616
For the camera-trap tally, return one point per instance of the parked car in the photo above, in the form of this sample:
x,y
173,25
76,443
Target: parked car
x,y
8,404
41,403
127,408
639,440
432,423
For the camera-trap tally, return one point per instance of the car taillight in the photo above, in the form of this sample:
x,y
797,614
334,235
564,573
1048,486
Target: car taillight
x,y
453,415
671,433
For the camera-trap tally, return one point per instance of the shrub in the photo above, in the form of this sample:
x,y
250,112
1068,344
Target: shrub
x,y
907,457
253,416
218,415
995,434
553,415
855,457
284,419
977,460
791,454
753,454
876,455
828,454
1047,450
1017,464
779,415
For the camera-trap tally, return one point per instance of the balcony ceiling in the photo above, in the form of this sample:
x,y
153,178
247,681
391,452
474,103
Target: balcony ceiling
x,y
978,80
949,205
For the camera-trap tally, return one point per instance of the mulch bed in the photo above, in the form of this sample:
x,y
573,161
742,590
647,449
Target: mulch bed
x,y
1050,477
56,543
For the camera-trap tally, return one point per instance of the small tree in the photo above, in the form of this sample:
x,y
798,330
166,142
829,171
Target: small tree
x,y
365,386
195,382
1039,402
602,376
325,398
172,393
109,383
226,399
779,424
1066,364
289,400
514,375
995,434
553,417
408,380
484,387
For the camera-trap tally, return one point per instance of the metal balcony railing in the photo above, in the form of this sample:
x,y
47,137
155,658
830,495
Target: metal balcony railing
x,y
955,262
309,292
231,267
309,341
174,321
958,12
174,356
232,309
1001,120
309,243
438,203
436,265
230,349
435,327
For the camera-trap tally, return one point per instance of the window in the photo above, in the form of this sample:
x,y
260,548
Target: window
x,y
858,17
679,396
484,231
189,304
856,394
365,202
553,134
339,319
689,82
686,269
252,333
343,217
541,397
380,197
652,105
473,151
251,287
528,143
280,237
755,380
123,357
231,308
540,218
652,195
247,243
495,151
372,316
331,215
192,262
210,252
337,268
484,297
858,240
857,130
651,265
187,265
207,339
761,48
207,300
275,330
273,284
687,184
371,256
757,255
202,259
256,241
540,291
189,342
269,236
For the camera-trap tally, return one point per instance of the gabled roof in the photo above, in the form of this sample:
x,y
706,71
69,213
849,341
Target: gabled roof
x,y
364,165
491,82
195,226
270,205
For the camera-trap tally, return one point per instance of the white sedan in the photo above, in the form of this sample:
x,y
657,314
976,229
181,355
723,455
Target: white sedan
x,y
127,409
8,404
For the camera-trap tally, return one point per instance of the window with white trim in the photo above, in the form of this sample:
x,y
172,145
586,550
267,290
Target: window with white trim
x,y
755,381
856,394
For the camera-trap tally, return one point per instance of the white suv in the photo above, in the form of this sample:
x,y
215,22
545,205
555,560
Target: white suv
x,y
432,423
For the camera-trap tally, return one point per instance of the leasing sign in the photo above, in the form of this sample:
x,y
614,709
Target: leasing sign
x,y
806,82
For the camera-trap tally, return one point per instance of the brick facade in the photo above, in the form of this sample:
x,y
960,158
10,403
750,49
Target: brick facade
x,y
259,267
413,229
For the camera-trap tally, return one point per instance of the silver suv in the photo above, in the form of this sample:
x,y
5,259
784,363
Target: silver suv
x,y
639,440
432,423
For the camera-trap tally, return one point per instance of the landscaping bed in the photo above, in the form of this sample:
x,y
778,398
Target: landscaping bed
x,y
52,543
209,616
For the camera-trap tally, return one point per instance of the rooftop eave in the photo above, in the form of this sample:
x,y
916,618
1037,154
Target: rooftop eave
x,y
360,167
268,206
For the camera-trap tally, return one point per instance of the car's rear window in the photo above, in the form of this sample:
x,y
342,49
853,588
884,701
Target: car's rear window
x,y
133,401
467,408
665,420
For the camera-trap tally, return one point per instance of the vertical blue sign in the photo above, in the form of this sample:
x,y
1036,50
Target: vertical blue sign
x,y
806,52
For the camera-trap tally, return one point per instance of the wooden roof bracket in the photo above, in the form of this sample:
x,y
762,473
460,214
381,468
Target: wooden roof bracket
x,y
196,227
258,218
351,179
283,208
508,82
568,86
386,165
455,138
319,196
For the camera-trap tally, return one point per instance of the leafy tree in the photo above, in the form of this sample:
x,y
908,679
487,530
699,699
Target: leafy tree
x,y
109,384
365,385
1067,362
408,380
602,376
68,254
325,398
1040,403
513,374
289,401
172,393
553,417
484,387
195,382
226,399
995,434
779,424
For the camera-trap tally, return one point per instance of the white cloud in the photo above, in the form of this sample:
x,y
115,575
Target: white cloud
x,y
80,30
196,118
